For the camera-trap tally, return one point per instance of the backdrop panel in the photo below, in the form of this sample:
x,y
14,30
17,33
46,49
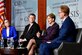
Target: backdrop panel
x,y
20,11
75,10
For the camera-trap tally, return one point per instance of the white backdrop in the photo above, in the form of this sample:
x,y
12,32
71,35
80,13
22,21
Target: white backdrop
x,y
20,11
75,10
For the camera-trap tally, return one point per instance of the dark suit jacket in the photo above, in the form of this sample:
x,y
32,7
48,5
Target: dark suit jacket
x,y
51,32
31,33
67,31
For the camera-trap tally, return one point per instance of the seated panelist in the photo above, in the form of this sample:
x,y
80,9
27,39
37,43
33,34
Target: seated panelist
x,y
8,32
29,31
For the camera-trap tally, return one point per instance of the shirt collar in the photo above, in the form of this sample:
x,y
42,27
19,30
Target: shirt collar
x,y
31,24
52,24
64,18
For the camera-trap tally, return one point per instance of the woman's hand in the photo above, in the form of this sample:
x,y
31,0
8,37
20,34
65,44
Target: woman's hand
x,y
38,34
20,40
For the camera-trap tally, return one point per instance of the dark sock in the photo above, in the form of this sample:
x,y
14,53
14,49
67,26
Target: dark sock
x,y
25,51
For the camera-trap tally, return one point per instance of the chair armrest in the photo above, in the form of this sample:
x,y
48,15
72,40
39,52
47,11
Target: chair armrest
x,y
69,48
60,47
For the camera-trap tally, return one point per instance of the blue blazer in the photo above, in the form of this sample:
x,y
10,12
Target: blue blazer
x,y
67,31
12,33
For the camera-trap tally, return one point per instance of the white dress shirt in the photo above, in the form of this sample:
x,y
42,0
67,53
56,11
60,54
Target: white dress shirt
x,y
7,31
30,26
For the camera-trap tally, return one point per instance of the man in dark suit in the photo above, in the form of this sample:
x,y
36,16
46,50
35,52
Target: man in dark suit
x,y
67,32
29,31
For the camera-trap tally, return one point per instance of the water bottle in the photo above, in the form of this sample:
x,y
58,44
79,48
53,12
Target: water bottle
x,y
12,43
8,42
2,43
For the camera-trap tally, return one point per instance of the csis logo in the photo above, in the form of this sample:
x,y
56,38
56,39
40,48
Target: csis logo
x,y
19,3
74,13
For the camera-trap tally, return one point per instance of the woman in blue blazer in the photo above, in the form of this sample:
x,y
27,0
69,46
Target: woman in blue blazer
x,y
8,31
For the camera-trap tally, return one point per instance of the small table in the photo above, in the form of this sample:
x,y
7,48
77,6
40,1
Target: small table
x,y
10,51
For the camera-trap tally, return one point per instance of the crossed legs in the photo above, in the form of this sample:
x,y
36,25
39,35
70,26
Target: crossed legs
x,y
31,46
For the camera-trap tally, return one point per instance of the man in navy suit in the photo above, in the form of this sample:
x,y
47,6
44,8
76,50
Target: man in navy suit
x,y
67,32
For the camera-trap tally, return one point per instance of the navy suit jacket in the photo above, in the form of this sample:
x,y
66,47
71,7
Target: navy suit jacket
x,y
67,31
12,33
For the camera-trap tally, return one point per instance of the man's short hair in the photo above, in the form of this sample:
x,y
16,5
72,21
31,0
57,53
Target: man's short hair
x,y
65,9
52,16
32,15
